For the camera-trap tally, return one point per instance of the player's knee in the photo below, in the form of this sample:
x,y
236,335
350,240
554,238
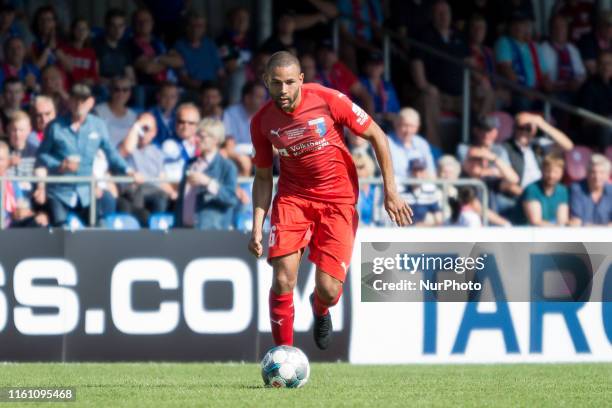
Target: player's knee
x,y
283,283
328,293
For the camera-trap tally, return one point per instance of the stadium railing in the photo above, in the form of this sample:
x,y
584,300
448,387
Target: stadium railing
x,y
396,44
93,180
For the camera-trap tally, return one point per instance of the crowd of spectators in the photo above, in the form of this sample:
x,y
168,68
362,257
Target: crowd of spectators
x,y
155,96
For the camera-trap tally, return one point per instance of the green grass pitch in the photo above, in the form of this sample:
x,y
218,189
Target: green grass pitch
x,y
330,385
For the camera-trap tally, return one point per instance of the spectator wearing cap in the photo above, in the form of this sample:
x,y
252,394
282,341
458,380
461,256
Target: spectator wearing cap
x,y
236,50
484,134
405,144
333,73
483,165
519,60
596,96
386,104
69,148
81,63
16,66
207,194
114,54
591,45
591,199
147,159
424,199
118,116
522,147
200,53
545,202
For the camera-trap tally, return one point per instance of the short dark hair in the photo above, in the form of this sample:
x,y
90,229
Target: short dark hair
x,y
164,85
11,81
249,87
113,13
207,85
8,41
282,59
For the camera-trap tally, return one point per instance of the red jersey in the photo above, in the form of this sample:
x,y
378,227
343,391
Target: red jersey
x,y
84,63
315,163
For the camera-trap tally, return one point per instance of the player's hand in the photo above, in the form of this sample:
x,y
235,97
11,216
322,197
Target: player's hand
x,y
399,211
255,245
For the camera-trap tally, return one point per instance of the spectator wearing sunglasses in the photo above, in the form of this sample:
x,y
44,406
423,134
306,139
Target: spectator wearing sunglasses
x,y
182,147
118,117
525,150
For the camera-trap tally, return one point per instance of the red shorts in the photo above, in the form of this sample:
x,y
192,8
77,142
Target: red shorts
x,y
327,228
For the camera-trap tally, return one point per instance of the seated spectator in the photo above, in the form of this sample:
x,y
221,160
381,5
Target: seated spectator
x,y
519,60
15,65
147,159
591,45
545,202
484,134
16,206
114,54
237,117
424,199
386,104
13,94
60,154
405,144
201,56
596,96
11,26
468,211
449,169
53,84
370,195
81,62
579,14
335,74
483,165
183,146
208,187
483,59
43,112
566,69
359,21
309,68
591,199
23,151
165,111
522,147
46,48
236,51
212,102
118,117
283,38
154,64
440,84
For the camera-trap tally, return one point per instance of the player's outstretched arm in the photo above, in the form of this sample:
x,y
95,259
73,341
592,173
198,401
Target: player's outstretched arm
x,y
399,211
262,196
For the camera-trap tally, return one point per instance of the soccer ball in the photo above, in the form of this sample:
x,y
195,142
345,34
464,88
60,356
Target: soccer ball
x,y
285,367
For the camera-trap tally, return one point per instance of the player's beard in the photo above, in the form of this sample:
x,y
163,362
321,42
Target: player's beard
x,y
291,102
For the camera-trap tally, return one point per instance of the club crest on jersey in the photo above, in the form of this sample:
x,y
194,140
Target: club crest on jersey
x,y
319,125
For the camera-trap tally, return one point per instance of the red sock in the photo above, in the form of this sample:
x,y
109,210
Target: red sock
x,y
320,307
281,318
